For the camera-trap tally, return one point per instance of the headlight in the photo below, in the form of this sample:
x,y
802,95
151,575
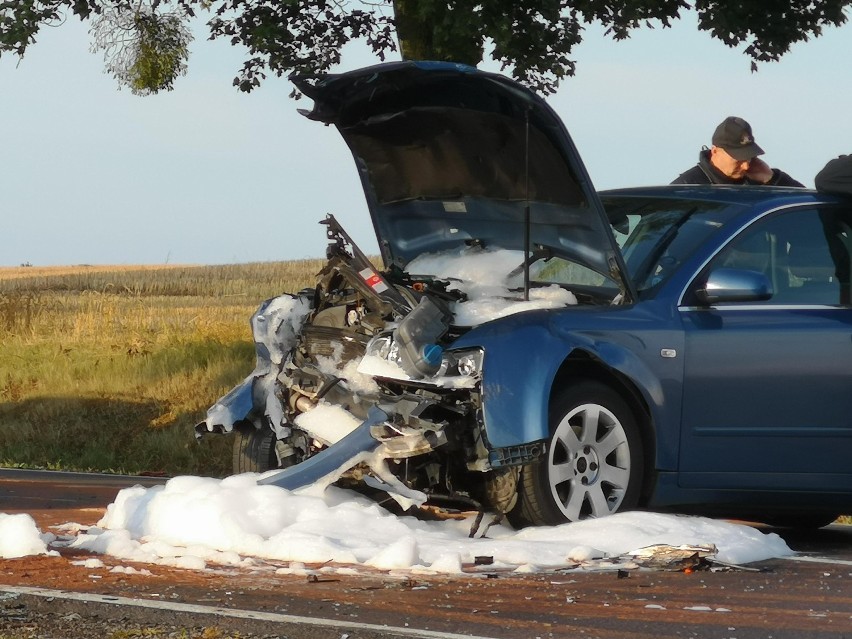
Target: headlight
x,y
467,363
458,363
470,363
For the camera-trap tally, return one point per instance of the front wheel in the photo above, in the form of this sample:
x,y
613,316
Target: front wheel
x,y
594,463
254,449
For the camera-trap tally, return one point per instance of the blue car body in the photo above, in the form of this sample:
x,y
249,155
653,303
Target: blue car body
x,y
749,410
711,338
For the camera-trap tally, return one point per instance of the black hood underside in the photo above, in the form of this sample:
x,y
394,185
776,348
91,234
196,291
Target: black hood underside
x,y
449,155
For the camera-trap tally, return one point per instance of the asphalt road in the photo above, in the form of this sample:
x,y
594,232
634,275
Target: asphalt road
x,y
807,596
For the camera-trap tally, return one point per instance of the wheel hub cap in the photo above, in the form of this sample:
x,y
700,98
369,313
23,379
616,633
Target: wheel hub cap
x,y
586,466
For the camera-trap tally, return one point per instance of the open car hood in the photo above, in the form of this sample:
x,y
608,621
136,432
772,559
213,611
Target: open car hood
x,y
449,155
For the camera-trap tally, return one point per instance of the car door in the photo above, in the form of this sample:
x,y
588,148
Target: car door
x,y
768,384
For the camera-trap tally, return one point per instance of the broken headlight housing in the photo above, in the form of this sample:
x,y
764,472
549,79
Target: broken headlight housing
x,y
462,363
454,363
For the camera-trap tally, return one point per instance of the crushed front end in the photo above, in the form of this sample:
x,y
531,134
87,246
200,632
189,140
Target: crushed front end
x,y
364,343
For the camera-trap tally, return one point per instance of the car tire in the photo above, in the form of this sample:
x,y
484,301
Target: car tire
x,y
593,466
254,449
500,490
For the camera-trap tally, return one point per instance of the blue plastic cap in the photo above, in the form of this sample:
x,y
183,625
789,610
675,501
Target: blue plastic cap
x,y
432,354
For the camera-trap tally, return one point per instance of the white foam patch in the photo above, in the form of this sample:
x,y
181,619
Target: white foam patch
x,y
195,521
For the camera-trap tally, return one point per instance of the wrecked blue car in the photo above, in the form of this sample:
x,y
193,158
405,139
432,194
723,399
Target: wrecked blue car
x,y
532,348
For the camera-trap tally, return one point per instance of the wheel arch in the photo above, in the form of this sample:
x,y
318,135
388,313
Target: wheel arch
x,y
581,365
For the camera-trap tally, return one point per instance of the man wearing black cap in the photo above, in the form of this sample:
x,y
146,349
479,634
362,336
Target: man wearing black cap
x,y
733,160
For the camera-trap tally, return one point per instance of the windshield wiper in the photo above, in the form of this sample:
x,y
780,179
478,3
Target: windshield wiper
x,y
540,253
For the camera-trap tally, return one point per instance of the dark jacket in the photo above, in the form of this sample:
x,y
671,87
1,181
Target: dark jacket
x,y
836,176
705,173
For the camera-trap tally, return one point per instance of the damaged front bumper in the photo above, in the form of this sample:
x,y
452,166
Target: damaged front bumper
x,y
370,444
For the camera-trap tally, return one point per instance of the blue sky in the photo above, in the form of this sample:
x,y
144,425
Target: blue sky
x,y
204,174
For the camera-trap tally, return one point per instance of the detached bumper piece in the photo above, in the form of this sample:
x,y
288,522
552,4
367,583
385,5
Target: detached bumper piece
x,y
335,459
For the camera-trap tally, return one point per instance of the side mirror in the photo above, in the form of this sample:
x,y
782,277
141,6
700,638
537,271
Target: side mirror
x,y
734,285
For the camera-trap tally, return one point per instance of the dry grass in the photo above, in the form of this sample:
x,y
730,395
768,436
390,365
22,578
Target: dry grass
x,y
25,272
109,368
248,281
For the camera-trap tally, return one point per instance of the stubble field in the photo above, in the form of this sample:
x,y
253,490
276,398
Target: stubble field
x,y
108,368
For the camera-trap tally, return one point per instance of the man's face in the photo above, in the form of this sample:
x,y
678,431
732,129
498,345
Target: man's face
x,y
728,165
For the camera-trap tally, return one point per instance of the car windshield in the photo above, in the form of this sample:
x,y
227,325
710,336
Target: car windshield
x,y
657,234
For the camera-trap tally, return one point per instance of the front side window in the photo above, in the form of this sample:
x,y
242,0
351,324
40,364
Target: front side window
x,y
805,254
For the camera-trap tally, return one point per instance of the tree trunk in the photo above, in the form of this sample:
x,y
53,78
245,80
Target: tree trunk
x,y
434,33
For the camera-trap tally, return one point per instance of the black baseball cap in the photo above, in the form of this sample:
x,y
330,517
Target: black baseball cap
x,y
734,135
